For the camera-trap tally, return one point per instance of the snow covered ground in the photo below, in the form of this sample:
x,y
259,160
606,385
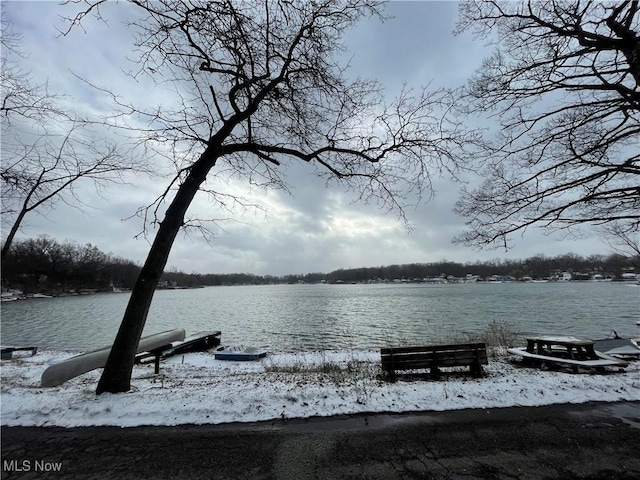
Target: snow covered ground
x,y
197,389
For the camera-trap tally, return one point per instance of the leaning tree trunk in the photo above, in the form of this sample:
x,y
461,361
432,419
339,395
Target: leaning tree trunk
x,y
116,376
18,221
12,233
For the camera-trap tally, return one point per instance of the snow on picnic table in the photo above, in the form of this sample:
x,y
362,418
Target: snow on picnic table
x,y
197,389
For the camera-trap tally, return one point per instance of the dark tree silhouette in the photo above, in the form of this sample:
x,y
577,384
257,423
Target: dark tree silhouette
x,y
563,86
259,85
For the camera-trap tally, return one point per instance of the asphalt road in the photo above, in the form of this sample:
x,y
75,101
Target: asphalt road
x,y
588,441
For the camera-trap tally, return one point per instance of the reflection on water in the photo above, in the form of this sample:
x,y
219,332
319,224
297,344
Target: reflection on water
x,y
312,317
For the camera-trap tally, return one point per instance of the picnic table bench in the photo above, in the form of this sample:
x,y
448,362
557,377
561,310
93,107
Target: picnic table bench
x,y
434,357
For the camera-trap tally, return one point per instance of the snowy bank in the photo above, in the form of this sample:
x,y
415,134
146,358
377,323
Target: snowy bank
x,y
197,389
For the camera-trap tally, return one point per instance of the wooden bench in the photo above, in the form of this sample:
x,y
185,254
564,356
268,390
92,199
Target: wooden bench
x,y
434,357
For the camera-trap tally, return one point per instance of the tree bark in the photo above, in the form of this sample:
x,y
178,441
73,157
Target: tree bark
x,y
12,233
18,221
116,376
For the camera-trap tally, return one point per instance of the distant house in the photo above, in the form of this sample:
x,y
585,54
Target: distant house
x,y
500,278
580,276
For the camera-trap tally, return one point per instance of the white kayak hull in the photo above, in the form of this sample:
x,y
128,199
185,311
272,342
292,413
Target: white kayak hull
x,y
60,372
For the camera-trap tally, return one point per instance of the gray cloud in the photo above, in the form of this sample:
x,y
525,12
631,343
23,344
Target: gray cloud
x,y
311,229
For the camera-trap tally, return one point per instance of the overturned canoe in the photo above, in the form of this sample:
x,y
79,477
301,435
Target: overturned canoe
x,y
60,372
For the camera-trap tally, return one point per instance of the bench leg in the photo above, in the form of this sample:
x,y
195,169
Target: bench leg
x,y
390,374
435,372
476,368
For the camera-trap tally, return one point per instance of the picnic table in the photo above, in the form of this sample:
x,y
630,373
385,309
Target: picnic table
x,y
567,346
570,350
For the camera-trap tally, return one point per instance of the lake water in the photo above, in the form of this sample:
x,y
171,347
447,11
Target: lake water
x,y
318,317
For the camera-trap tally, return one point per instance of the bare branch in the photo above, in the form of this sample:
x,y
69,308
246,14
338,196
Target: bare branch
x,y
564,85
46,149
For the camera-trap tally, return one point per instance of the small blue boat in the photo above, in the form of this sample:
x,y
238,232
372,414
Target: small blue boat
x,y
239,353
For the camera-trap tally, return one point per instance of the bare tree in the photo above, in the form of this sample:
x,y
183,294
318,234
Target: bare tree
x,y
20,96
36,175
624,239
46,150
259,85
563,87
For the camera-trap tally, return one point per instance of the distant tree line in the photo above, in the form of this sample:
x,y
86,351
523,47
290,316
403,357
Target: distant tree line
x,y
46,265
193,279
537,267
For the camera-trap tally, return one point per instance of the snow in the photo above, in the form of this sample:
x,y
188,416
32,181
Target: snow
x,y
197,389
562,339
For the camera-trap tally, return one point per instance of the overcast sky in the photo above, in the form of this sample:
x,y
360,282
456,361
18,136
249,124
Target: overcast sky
x,y
312,229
